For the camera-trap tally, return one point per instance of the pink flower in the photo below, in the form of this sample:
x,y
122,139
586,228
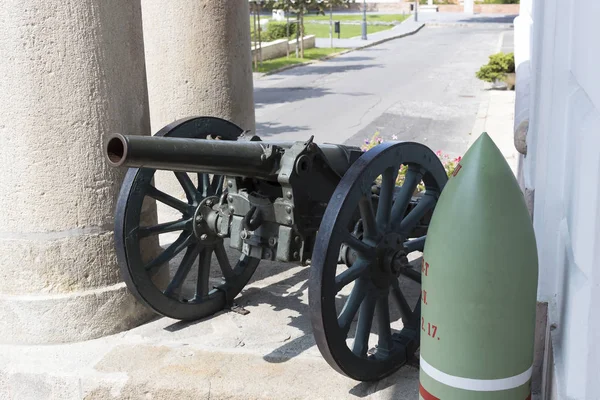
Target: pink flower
x,y
379,140
438,153
457,159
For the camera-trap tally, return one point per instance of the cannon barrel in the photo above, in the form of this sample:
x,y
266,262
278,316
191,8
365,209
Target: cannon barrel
x,y
191,155
223,157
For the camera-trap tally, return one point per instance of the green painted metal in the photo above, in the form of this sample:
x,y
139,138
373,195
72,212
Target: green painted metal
x,y
479,283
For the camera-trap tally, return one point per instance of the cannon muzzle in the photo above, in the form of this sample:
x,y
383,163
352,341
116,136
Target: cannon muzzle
x,y
193,155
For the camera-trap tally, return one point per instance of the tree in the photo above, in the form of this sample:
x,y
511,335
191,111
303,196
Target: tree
x,y
301,7
255,8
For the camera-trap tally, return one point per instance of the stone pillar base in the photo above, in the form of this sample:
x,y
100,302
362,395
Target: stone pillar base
x,y
70,317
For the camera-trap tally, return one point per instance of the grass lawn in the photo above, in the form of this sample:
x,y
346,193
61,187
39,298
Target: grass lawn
x,y
358,17
309,54
347,31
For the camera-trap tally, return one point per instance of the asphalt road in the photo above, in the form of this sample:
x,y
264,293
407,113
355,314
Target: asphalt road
x,y
419,88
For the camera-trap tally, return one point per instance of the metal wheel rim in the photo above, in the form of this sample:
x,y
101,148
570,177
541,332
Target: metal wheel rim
x,y
127,219
330,337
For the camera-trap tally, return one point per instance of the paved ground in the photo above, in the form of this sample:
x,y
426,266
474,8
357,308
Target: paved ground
x,y
421,87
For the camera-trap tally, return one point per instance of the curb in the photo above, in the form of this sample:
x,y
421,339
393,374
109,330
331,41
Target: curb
x,y
410,33
469,25
275,71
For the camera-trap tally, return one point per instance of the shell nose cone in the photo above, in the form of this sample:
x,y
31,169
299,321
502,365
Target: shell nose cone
x,y
482,188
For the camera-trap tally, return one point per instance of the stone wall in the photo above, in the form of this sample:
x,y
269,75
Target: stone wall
x,y
278,48
562,166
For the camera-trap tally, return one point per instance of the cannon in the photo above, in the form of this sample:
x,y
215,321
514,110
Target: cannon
x,y
344,212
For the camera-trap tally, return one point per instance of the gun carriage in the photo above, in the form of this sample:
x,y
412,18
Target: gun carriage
x,y
331,206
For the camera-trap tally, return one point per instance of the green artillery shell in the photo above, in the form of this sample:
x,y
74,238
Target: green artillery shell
x,y
479,281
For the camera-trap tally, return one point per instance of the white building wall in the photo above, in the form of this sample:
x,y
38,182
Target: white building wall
x,y
563,167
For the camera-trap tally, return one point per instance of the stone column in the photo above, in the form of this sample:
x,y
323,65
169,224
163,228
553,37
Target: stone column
x,y
198,60
71,72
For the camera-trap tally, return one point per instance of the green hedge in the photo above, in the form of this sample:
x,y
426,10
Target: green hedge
x,y
278,30
274,31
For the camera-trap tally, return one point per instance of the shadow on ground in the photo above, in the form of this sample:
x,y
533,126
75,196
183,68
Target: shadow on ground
x,y
501,19
283,95
328,67
273,128
271,95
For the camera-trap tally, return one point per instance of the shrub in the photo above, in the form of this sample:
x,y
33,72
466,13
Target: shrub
x,y
499,65
278,30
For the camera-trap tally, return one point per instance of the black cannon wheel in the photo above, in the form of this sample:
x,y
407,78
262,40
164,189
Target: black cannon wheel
x,y
153,278
390,228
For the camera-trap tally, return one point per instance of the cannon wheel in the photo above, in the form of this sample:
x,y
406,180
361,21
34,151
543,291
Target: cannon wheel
x,y
391,227
140,273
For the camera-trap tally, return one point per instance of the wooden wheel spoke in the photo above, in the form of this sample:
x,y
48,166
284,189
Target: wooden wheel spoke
x,y
385,342
165,227
202,286
416,316
417,244
183,270
204,186
363,328
174,248
353,302
168,200
357,269
411,181
223,260
425,204
405,310
367,214
363,249
217,185
188,186
384,209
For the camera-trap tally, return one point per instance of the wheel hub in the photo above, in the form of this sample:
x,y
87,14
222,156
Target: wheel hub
x,y
388,250
204,220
